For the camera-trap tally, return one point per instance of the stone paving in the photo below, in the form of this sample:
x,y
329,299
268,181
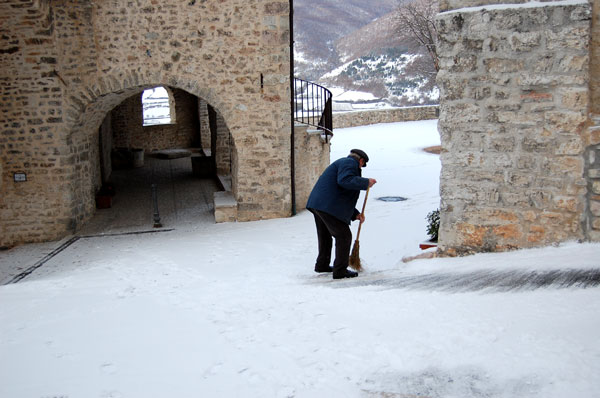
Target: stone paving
x,y
182,198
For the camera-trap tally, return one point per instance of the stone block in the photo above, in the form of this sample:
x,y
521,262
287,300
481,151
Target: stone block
x,y
572,63
525,41
536,96
594,173
277,8
575,99
566,121
509,233
226,207
503,65
462,63
536,234
566,203
595,207
563,165
570,37
594,135
573,146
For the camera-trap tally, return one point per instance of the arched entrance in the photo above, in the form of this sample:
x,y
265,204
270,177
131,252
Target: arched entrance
x,y
147,170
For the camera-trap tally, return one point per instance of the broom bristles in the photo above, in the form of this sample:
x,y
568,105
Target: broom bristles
x,y
355,257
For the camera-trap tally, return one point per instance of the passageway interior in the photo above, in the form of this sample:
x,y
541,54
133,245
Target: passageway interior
x,y
166,138
183,199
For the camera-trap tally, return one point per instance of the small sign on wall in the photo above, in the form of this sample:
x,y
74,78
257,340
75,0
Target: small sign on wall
x,y
20,177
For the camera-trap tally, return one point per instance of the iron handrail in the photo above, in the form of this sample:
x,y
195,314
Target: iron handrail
x,y
312,106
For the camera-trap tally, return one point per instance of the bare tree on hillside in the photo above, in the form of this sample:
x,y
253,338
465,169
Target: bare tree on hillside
x,y
416,22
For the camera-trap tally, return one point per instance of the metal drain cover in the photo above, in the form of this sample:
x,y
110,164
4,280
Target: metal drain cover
x,y
392,199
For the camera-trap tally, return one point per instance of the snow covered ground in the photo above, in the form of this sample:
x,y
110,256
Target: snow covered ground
x,y
235,310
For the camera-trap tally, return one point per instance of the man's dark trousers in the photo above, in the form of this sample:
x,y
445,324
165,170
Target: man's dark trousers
x,y
327,227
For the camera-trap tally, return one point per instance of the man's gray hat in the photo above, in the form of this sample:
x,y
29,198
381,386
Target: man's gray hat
x,y
361,154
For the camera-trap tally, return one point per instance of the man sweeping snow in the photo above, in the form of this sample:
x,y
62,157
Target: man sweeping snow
x,y
333,204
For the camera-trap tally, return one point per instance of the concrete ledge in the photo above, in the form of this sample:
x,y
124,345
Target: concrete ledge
x,y
315,132
226,207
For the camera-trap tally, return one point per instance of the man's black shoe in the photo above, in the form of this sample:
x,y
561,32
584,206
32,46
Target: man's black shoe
x,y
324,269
345,274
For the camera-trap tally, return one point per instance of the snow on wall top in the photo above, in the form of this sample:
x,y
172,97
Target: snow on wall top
x,y
476,6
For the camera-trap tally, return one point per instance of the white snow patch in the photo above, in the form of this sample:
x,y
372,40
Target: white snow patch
x,y
529,4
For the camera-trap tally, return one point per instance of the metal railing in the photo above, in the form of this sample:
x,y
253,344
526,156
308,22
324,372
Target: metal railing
x,y
312,106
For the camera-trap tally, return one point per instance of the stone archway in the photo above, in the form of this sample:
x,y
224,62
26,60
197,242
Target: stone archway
x,y
87,130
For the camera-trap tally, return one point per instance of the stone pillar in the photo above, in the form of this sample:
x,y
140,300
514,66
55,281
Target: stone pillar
x,y
514,99
204,125
312,157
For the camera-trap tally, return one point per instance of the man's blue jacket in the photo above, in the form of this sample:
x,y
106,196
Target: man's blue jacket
x,y
338,189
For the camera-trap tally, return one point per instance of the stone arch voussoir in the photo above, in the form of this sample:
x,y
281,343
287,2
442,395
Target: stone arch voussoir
x,y
90,102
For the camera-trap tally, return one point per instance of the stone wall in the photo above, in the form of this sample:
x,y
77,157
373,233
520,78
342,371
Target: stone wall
x,y
32,100
312,158
595,58
513,122
223,147
205,137
106,145
363,118
65,64
129,131
592,172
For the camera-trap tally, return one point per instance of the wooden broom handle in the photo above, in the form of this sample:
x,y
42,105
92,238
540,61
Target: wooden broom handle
x,y
363,212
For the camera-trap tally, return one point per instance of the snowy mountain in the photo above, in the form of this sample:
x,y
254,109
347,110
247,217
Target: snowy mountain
x,y
389,75
318,24
354,46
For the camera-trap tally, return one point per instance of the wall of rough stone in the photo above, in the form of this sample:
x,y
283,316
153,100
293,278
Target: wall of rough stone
x,y
106,145
593,149
595,58
513,122
129,131
65,64
30,141
205,137
363,118
223,147
592,222
312,158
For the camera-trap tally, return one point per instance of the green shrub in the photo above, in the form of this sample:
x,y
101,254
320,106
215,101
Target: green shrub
x,y
434,225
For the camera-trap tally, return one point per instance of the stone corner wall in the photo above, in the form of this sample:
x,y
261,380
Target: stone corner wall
x,y
592,222
514,87
312,157
595,58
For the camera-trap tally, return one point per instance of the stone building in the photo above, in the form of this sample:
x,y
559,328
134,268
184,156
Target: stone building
x,y
71,78
519,123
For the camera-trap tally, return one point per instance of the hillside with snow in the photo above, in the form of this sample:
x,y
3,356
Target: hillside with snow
x,y
352,46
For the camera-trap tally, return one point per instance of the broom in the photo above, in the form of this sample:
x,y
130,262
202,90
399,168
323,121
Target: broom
x,y
354,255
